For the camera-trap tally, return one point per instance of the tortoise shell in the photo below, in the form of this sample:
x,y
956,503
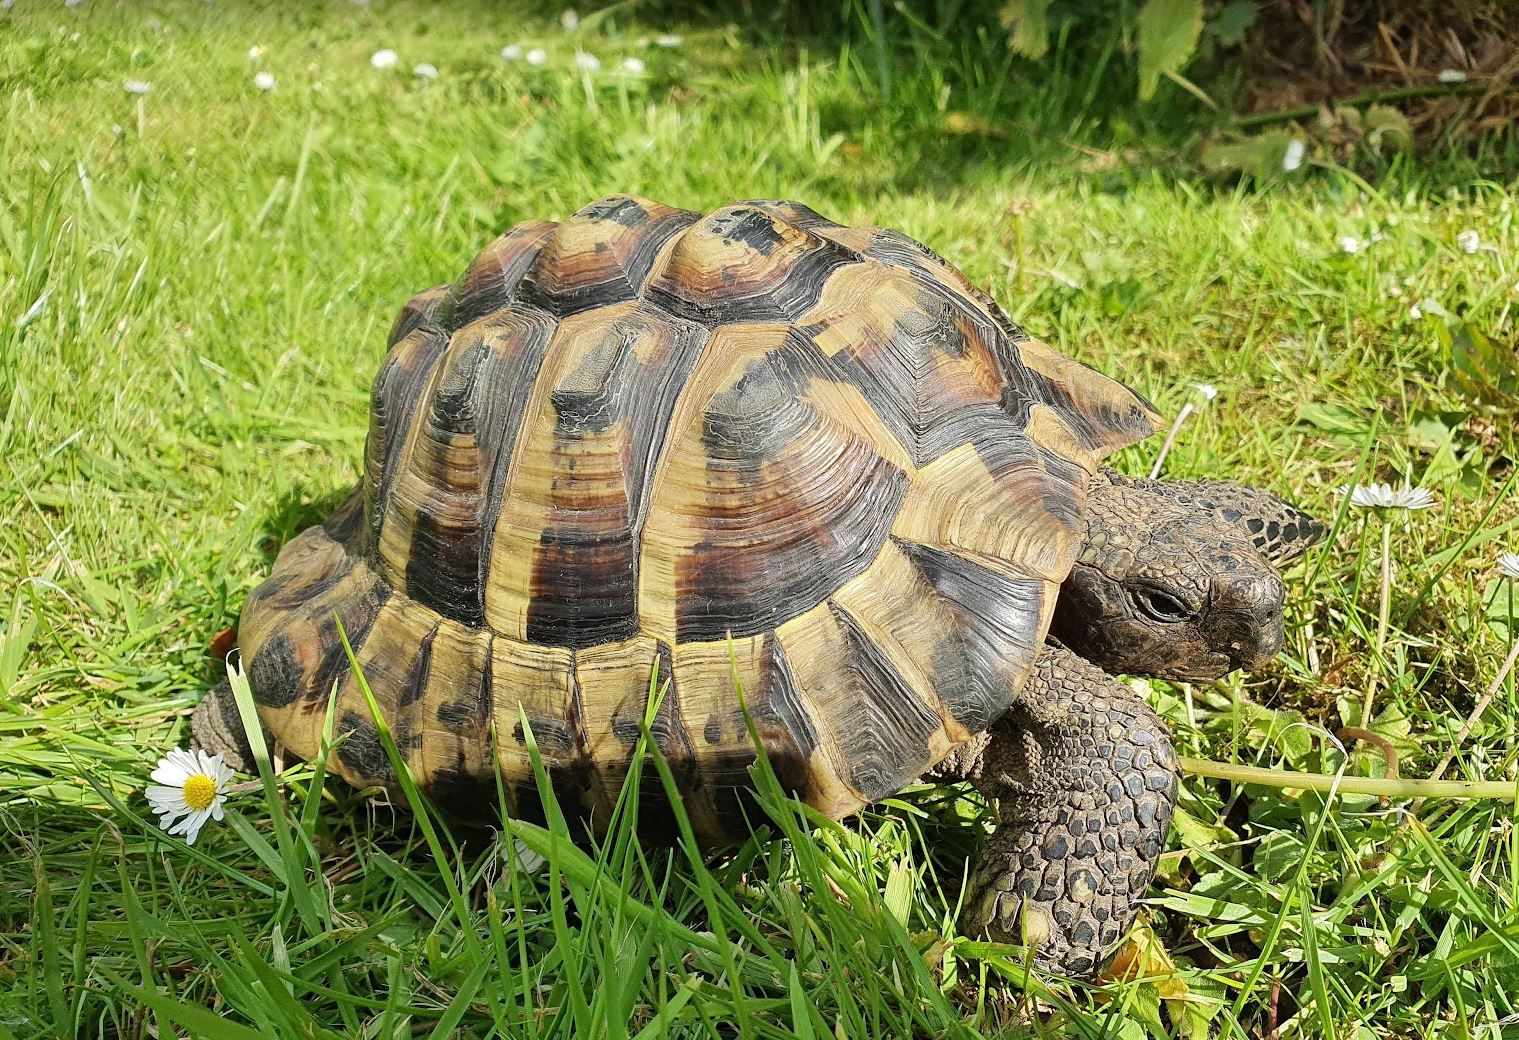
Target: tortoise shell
x,y
749,450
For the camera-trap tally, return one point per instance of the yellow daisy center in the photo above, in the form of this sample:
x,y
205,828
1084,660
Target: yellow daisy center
x,y
199,791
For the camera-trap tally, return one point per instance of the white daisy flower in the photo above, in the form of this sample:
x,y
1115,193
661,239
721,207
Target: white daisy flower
x,y
1292,158
537,56
1385,496
570,20
1207,390
264,81
425,70
384,59
1451,76
511,52
633,65
587,62
1508,566
137,86
255,52
669,40
191,788
1350,244
1469,241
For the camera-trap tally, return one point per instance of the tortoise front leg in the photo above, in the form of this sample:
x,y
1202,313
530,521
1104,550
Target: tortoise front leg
x,y
1085,780
218,728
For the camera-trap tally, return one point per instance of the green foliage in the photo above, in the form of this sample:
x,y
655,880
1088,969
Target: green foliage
x,y
1165,33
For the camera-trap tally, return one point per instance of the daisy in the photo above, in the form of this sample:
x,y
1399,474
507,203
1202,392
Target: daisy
x,y
1384,499
633,65
511,52
192,786
1385,496
255,53
425,70
1350,244
1469,241
384,59
1292,158
537,56
1451,76
669,40
264,81
137,86
570,20
587,62
1508,566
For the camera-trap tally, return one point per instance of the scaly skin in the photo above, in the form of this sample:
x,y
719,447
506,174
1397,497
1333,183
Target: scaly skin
x,y
1085,781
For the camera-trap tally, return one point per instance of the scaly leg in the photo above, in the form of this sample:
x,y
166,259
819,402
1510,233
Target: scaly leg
x,y
216,727
1085,781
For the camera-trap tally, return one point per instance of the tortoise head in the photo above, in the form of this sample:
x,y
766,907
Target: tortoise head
x,y
1179,584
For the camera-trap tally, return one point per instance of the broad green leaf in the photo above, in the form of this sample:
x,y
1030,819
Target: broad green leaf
x,y
1028,26
1168,32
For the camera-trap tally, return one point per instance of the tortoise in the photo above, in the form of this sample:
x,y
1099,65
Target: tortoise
x,y
759,451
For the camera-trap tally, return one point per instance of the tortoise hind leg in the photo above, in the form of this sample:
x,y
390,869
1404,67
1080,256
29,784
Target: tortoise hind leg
x,y
1085,780
217,727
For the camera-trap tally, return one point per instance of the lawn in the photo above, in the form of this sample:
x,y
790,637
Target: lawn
x,y
195,286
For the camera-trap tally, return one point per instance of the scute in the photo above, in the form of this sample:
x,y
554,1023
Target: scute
x,y
644,449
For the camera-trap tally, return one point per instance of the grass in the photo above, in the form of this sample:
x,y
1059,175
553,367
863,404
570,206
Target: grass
x,y
194,289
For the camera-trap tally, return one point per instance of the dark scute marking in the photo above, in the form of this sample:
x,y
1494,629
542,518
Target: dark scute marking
x,y
555,737
442,570
752,228
783,702
361,749
457,714
585,589
712,732
421,667
1255,525
272,586
884,734
1273,529
794,213
463,796
357,615
275,674
1232,515
563,283
1289,533
997,626
586,400
618,208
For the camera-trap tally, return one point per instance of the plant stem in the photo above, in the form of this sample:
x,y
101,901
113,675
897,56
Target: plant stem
x,y
1384,608
1505,790
1165,449
1370,97
1480,707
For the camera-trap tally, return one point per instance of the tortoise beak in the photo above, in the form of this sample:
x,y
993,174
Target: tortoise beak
x,y
1245,619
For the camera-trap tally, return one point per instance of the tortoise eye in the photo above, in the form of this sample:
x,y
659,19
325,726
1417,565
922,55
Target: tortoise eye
x,y
1161,606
